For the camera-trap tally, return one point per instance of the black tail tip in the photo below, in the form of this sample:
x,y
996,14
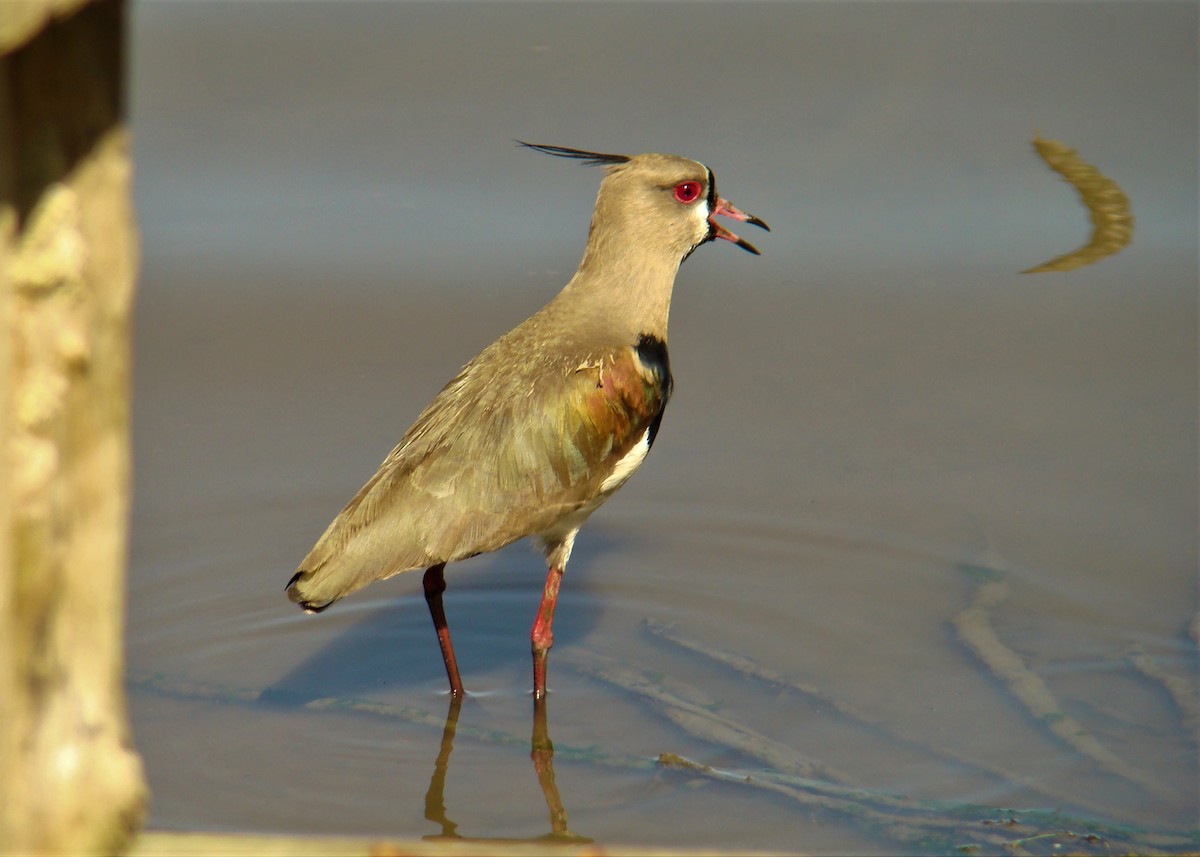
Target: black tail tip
x,y
294,594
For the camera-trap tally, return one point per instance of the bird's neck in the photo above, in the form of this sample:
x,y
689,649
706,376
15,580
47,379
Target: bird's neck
x,y
625,282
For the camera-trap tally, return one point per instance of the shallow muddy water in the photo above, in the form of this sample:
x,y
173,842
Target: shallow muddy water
x,y
876,424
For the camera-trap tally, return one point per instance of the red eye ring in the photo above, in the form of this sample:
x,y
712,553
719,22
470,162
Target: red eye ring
x,y
688,192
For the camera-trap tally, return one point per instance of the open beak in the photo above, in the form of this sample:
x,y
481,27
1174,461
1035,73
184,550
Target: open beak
x,y
727,209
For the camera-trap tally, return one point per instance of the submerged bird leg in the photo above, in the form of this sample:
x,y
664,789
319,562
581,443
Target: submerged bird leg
x,y
541,635
435,584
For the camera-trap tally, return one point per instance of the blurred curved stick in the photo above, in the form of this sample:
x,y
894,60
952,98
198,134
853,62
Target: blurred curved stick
x,y
1107,205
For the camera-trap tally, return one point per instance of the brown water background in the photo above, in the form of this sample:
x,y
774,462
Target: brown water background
x,y
334,218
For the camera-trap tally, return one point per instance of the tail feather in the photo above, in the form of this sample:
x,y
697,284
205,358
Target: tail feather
x,y
322,581
294,593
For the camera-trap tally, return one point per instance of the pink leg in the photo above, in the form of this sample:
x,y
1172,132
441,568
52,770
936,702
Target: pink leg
x,y
542,636
435,585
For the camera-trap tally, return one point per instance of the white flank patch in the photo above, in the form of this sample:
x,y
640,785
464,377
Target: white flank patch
x,y
628,463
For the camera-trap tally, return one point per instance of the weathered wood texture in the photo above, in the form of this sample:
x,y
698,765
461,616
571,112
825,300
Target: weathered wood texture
x,y
70,780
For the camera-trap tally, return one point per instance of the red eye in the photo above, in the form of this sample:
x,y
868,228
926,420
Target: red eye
x,y
688,192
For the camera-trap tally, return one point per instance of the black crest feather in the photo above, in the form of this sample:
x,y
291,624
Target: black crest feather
x,y
591,159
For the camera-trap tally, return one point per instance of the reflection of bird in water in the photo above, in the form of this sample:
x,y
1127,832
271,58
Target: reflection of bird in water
x,y
542,753
548,421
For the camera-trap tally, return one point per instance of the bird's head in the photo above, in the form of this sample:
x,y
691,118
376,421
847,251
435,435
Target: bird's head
x,y
662,203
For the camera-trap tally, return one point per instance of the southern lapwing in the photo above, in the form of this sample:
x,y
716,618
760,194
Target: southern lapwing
x,y
548,421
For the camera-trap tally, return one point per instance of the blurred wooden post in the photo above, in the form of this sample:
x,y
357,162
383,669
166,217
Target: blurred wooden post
x,y
70,781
